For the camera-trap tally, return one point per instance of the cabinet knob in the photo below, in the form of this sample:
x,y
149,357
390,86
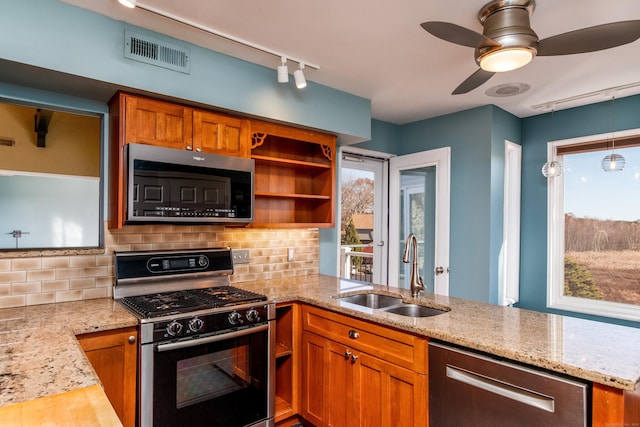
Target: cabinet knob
x,y
198,149
189,148
354,358
132,339
354,334
347,354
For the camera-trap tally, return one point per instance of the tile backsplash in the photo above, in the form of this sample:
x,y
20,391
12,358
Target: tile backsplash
x,y
71,276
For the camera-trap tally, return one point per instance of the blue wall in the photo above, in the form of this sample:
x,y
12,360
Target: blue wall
x,y
60,37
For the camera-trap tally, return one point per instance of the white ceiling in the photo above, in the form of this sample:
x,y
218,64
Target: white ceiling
x,y
376,49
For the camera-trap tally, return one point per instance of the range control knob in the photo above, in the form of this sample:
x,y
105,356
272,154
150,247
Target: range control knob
x,y
203,261
235,318
196,324
174,328
253,315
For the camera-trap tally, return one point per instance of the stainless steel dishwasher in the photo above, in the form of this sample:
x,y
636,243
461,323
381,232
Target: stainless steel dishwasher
x,y
473,390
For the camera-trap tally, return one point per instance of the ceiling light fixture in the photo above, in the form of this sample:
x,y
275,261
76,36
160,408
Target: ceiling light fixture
x,y
298,76
283,71
128,3
212,31
613,162
505,59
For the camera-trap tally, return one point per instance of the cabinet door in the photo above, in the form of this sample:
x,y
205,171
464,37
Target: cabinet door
x,y
327,382
220,134
388,395
113,355
154,122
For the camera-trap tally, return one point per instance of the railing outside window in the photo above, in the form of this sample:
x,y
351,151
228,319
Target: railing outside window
x,y
356,262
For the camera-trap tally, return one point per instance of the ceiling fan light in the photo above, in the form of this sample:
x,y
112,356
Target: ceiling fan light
x,y
509,59
128,3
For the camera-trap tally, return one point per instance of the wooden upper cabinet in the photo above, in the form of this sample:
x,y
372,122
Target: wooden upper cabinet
x,y
149,121
221,134
294,178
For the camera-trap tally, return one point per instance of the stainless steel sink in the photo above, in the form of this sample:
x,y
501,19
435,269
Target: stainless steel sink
x,y
390,304
413,310
371,300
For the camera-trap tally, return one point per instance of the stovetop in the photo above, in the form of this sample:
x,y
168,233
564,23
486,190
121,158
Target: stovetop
x,y
188,300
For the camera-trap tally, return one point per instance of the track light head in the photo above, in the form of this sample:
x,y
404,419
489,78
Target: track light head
x,y
298,76
128,3
283,71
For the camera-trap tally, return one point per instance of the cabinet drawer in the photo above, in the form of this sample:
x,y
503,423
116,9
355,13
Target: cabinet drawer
x,y
397,347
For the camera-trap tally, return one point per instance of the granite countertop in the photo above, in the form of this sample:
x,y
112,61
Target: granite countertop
x,y
39,353
40,356
595,351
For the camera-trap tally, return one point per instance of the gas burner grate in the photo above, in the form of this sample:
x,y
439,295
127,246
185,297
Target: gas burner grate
x,y
178,302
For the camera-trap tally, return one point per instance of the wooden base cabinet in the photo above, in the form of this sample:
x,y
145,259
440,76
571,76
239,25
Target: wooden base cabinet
x,y
113,355
344,385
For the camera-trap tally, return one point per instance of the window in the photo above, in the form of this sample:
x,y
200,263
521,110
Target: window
x,y
594,228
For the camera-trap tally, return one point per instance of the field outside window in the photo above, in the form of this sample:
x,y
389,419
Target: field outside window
x,y
594,233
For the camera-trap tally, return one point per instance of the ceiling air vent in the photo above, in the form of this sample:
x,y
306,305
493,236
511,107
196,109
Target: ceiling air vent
x,y
156,52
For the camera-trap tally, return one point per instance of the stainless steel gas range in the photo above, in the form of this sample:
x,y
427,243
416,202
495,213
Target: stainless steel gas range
x,y
206,352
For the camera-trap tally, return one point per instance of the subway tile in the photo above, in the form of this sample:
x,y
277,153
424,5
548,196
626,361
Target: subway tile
x,y
13,301
26,264
5,289
72,295
126,239
55,262
13,276
55,285
5,264
39,275
41,298
94,293
87,282
26,288
68,273
94,272
82,261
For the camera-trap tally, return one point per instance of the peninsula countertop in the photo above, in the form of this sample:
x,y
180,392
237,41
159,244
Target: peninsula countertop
x,y
594,351
40,356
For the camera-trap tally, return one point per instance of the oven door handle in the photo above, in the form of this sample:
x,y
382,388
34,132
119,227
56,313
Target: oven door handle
x,y
214,338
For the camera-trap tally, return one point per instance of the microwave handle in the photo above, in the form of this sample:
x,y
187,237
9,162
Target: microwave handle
x,y
214,338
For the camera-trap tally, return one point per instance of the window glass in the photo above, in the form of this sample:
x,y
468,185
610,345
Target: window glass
x,y
597,217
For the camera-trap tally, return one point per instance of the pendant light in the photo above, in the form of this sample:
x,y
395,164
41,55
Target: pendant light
x,y
613,162
552,168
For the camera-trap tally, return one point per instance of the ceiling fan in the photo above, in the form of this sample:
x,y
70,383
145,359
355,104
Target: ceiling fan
x,y
508,42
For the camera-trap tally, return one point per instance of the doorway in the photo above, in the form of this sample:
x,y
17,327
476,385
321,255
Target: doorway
x,y
419,187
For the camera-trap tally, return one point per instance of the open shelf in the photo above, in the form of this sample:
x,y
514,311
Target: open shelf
x,y
286,361
294,177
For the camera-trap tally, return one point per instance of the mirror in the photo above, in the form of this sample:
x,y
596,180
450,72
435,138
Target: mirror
x,y
50,183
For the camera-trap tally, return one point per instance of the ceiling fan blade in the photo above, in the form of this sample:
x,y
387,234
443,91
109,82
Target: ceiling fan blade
x,y
456,34
473,81
590,39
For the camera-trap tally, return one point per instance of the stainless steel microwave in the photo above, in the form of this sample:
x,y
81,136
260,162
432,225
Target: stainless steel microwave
x,y
178,186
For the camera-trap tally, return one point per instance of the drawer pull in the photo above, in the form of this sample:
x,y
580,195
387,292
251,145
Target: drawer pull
x,y
354,358
347,354
354,334
132,339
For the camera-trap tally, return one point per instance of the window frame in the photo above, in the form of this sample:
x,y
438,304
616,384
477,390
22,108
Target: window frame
x,y
555,242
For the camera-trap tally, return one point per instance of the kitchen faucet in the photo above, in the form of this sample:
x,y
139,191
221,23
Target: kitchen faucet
x,y
415,283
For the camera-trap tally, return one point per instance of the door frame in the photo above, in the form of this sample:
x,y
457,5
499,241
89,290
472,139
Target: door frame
x,y
381,210
441,159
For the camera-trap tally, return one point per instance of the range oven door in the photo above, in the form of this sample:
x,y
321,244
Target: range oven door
x,y
221,380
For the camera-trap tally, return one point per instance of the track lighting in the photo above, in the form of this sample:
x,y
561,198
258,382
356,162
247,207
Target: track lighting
x,y
298,76
128,3
283,71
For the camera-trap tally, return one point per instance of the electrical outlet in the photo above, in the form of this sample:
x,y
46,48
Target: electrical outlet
x,y
240,256
290,255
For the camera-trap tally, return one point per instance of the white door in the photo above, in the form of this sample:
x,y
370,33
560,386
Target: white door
x,y
367,263
419,204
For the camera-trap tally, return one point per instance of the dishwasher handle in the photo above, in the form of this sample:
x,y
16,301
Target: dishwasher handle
x,y
509,391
